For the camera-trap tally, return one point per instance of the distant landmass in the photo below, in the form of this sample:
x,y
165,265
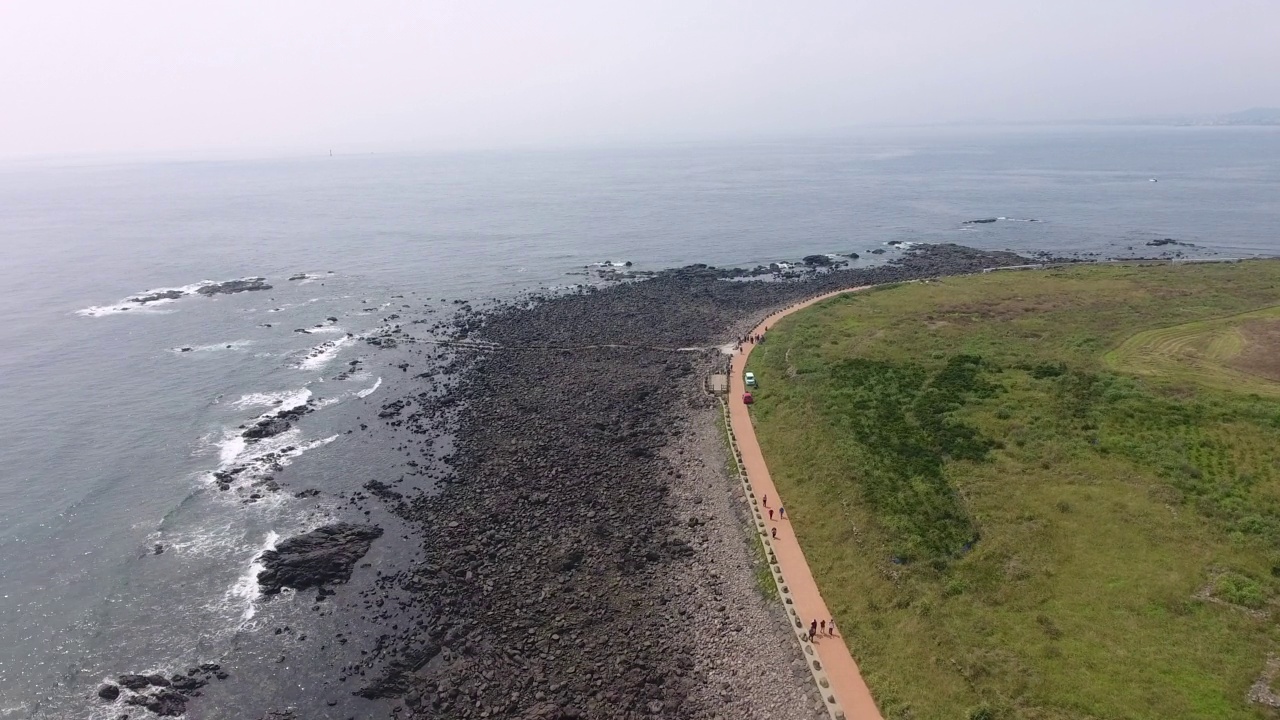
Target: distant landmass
x,y
1252,116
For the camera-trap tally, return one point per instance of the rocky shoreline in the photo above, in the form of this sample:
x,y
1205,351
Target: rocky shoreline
x,y
586,554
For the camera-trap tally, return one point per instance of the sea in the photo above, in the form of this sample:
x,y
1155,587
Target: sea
x,y
119,552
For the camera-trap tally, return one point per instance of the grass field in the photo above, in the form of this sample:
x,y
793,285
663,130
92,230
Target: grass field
x,y
1050,494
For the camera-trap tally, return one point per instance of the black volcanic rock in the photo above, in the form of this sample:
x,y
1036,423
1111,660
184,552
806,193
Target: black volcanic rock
x,y
276,423
267,427
547,548
324,555
134,681
234,286
164,696
166,703
162,295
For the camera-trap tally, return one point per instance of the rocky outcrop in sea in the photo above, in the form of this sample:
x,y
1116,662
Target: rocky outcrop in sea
x,y
323,556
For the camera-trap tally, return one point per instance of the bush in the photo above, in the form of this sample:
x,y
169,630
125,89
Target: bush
x,y
1048,370
1239,589
983,712
900,415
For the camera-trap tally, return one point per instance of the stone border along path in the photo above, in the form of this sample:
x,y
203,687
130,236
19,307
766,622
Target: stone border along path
x,y
833,667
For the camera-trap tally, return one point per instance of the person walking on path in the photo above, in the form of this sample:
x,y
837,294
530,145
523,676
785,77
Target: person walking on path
x,y
822,627
774,532
831,626
765,501
782,513
770,513
813,630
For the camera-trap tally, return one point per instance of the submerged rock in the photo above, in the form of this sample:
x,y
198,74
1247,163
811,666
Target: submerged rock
x,y
324,555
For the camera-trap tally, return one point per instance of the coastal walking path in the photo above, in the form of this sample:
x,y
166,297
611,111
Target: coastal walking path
x,y
847,686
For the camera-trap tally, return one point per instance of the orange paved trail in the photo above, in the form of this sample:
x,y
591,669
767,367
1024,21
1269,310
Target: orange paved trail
x,y
846,682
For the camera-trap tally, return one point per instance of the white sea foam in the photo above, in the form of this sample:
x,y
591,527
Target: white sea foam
x,y
279,400
263,458
326,330
370,390
234,449
322,354
134,305
206,540
246,589
231,448
131,308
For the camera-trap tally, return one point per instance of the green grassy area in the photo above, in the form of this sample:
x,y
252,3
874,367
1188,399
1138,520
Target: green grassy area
x,y
1041,494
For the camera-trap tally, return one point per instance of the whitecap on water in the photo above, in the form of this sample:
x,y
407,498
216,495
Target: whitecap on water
x,y
369,390
257,461
213,347
139,302
246,589
322,354
282,400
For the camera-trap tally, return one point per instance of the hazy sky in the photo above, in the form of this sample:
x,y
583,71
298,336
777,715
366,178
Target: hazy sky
x,y
124,76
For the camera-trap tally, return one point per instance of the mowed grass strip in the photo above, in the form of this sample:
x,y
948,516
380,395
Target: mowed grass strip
x,y
1198,352
1052,537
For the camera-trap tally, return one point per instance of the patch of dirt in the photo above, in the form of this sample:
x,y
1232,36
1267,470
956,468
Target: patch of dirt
x,y
1261,692
1003,309
1261,356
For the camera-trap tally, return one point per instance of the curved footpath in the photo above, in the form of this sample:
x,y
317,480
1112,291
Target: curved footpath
x,y
847,686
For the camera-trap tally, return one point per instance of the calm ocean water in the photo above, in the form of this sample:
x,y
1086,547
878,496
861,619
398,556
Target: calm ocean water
x,y
111,431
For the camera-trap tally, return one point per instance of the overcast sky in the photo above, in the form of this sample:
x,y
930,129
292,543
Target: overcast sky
x,y
124,76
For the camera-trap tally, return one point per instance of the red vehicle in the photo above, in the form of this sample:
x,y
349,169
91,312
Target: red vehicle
x,y
747,399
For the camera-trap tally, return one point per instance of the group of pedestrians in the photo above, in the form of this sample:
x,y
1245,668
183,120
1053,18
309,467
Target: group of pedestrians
x,y
751,339
822,627
782,512
817,628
